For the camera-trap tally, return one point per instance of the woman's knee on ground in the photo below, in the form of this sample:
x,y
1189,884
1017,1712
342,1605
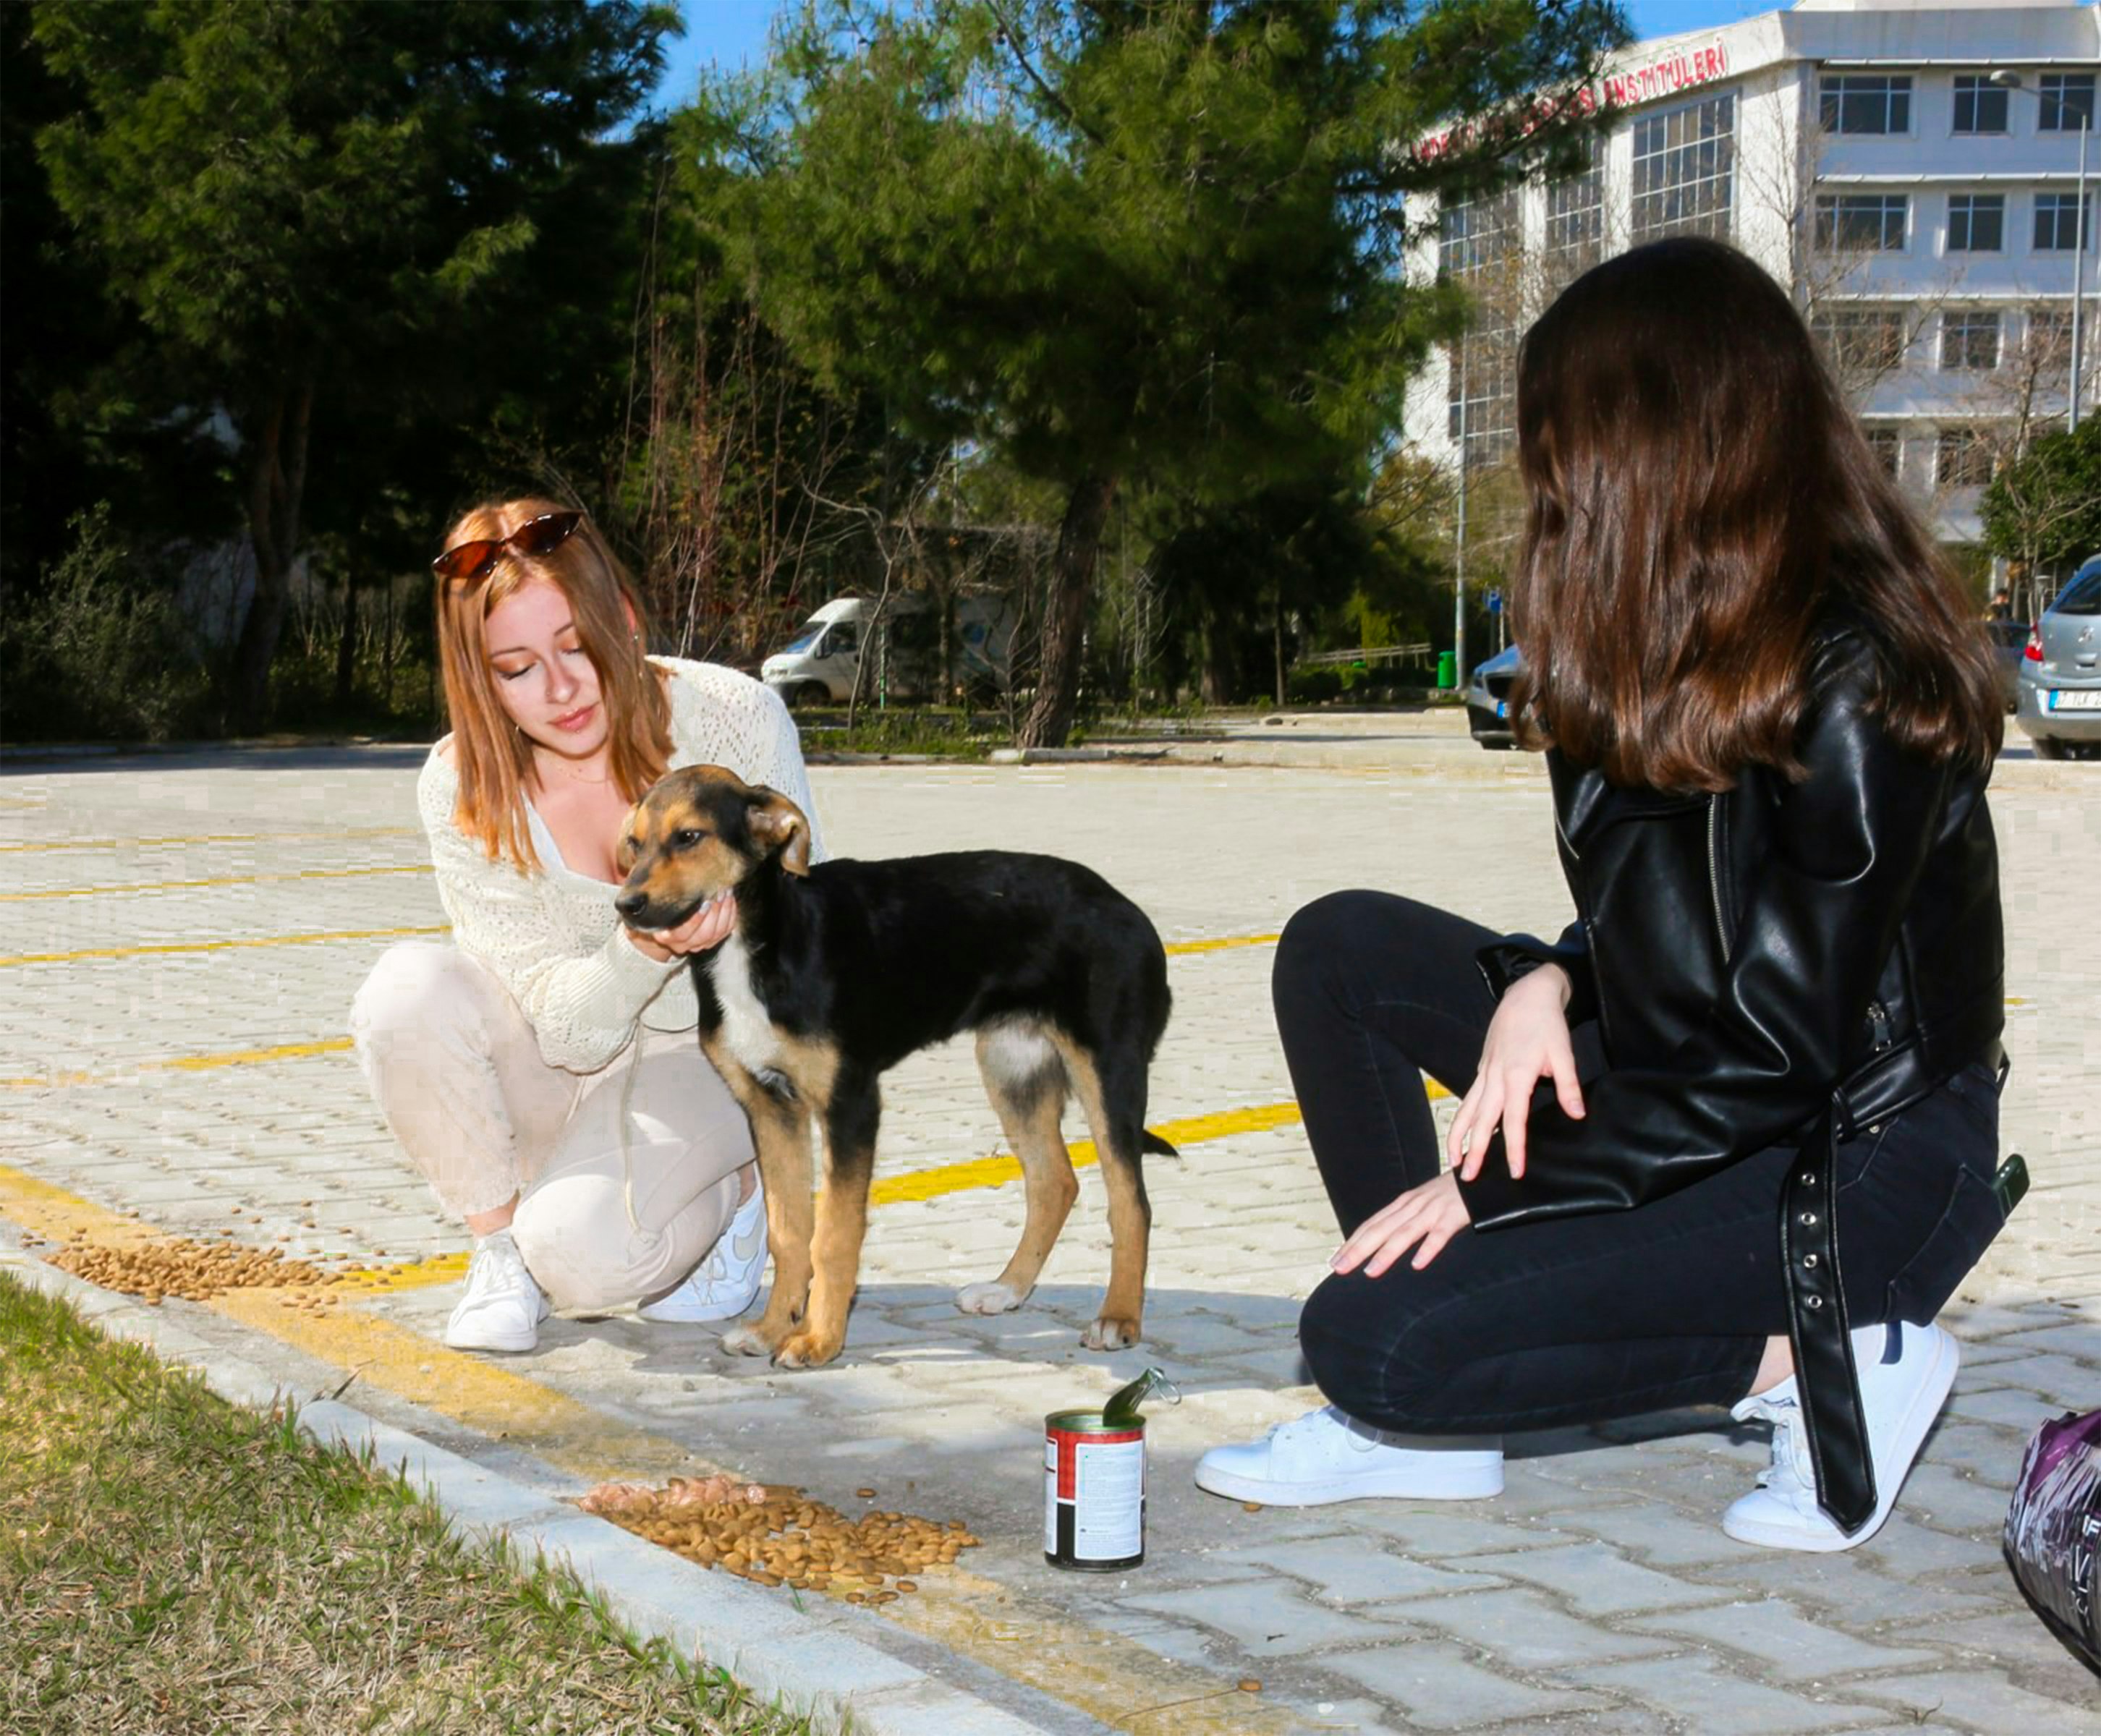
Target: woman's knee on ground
x,y
582,1246
1377,1359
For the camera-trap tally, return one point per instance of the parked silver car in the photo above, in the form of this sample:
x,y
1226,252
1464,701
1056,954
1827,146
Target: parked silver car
x,y
2059,707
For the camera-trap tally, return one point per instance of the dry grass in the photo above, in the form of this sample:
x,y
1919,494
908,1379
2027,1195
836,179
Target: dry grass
x,y
171,1564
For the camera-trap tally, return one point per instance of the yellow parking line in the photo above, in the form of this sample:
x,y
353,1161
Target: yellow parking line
x,y
995,1171
1174,949
1005,1629
294,1051
185,1064
159,949
1183,948
215,837
223,880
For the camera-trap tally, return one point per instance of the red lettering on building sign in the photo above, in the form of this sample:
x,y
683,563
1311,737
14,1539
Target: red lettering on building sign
x,y
1673,72
1661,77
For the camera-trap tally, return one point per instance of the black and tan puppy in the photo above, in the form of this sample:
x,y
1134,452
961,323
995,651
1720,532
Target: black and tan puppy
x,y
838,971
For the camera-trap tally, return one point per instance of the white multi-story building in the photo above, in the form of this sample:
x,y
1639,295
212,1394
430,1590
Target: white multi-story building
x,y
1924,215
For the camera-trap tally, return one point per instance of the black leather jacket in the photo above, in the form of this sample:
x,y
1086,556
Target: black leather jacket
x,y
1781,964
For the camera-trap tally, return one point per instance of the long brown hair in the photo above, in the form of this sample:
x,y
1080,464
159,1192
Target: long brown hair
x,y
492,755
1699,499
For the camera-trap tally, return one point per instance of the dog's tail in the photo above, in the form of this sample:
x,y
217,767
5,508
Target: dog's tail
x,y
1157,1146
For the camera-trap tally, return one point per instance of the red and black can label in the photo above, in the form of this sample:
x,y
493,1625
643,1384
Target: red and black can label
x,y
1094,1492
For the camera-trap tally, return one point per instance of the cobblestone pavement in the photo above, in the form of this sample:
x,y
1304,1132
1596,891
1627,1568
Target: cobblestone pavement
x,y
184,934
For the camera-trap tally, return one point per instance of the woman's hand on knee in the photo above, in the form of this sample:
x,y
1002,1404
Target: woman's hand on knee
x,y
1527,1041
1429,1216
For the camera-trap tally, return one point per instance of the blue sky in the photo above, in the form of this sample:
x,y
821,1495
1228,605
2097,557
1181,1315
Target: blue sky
x,y
727,32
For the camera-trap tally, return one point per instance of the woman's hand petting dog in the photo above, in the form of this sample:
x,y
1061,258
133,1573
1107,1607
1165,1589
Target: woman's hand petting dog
x,y
703,931
1431,1214
1527,1041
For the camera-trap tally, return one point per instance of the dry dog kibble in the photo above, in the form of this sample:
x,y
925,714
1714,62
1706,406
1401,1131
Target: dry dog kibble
x,y
780,1536
192,1270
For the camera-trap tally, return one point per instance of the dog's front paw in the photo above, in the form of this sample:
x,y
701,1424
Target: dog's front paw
x,y
989,1299
1110,1334
746,1341
805,1349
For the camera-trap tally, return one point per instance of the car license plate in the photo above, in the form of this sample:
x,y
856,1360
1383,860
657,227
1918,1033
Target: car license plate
x,y
1502,708
2071,699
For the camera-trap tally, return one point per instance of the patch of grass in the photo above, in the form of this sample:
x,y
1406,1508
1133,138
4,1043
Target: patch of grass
x,y
945,733
171,1563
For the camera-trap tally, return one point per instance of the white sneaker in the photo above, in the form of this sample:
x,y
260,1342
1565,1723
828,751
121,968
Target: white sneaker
x,y
502,1308
1905,1372
1326,1456
726,1284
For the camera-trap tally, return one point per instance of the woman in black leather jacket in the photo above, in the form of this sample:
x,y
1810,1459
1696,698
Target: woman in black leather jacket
x,y
1730,1140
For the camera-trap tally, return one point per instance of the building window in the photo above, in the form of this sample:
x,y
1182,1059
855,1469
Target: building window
x,y
1887,445
1481,397
1862,223
2049,346
1962,459
1685,169
1969,339
1576,214
1980,106
1862,341
1474,235
2068,99
1865,103
2056,217
1478,243
1976,222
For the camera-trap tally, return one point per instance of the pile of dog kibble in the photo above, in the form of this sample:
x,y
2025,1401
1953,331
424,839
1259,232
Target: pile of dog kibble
x,y
781,1537
196,1271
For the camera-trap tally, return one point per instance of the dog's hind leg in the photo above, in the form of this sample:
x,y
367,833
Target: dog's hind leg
x,y
850,1122
1025,1079
1112,1091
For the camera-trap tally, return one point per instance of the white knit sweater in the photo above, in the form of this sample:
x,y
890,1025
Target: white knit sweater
x,y
553,937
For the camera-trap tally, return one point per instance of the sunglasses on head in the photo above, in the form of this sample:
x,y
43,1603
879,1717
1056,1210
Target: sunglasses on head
x,y
471,561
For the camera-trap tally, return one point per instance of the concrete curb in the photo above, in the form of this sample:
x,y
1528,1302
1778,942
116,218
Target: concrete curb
x,y
808,1662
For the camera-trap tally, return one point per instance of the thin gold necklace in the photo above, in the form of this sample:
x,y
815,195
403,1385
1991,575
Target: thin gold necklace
x,y
571,777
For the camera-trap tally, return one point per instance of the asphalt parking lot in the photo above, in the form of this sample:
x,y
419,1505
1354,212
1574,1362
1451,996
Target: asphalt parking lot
x,y
185,931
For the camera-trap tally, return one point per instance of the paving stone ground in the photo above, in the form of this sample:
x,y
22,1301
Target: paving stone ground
x,y
184,932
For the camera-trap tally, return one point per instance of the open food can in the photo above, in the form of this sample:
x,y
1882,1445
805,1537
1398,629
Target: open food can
x,y
1093,1480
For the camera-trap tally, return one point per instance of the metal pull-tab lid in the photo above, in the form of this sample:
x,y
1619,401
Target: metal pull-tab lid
x,y
1122,1411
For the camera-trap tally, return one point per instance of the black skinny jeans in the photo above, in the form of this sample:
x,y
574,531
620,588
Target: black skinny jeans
x,y
1577,1319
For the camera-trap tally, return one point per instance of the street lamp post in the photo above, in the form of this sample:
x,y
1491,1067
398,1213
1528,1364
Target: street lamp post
x,y
2010,81
1459,549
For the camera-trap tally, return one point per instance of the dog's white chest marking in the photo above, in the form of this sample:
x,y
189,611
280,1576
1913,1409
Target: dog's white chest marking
x,y
747,1032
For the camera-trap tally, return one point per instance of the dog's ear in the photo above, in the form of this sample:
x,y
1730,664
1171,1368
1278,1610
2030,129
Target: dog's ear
x,y
781,826
624,852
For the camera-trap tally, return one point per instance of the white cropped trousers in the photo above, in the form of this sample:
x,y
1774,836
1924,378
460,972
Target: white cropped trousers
x,y
625,1177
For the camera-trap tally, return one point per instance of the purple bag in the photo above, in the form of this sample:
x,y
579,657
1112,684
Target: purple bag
x,y
2052,1534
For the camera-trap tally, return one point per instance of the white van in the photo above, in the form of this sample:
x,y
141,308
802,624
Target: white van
x,y
818,665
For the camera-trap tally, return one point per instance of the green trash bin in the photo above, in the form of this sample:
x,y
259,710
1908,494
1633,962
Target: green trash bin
x,y
1448,669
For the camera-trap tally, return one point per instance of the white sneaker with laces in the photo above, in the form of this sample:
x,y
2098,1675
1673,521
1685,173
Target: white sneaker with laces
x,y
503,1307
1327,1457
726,1284
1905,1372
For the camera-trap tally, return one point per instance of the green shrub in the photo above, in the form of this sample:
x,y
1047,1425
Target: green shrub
x,y
97,657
